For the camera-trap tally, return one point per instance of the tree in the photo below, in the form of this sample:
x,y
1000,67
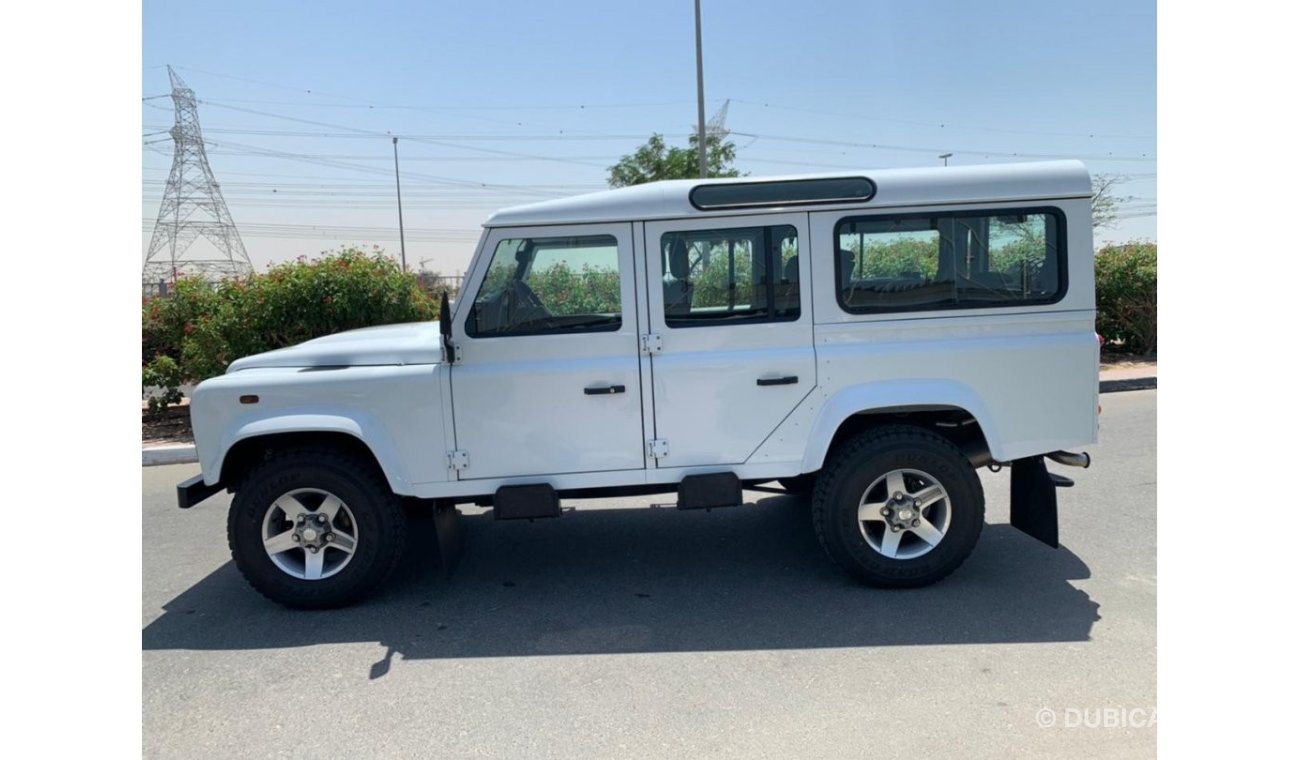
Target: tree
x,y
1105,204
655,161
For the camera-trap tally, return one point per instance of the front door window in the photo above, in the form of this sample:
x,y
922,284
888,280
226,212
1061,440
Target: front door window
x,y
548,285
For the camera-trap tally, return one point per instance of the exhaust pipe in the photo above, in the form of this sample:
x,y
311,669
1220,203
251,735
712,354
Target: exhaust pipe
x,y
1070,459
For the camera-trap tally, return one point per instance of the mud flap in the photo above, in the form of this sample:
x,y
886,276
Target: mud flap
x,y
1033,500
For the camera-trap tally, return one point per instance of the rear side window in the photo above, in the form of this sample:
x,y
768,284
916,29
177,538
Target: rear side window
x,y
730,276
954,260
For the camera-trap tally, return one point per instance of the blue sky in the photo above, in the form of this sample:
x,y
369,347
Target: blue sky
x,y
499,103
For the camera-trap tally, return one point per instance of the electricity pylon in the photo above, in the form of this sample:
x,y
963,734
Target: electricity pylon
x,y
717,126
192,207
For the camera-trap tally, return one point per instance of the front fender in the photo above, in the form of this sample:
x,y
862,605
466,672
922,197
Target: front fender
x,y
357,424
892,394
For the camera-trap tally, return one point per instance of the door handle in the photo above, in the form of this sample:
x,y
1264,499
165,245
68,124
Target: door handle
x,y
604,390
787,380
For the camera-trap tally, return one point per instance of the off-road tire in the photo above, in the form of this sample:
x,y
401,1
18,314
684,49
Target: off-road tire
x,y
380,526
855,465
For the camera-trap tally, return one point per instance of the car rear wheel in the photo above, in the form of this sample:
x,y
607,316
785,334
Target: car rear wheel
x,y
898,506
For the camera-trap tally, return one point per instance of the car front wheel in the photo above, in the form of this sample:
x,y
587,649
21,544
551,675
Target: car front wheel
x,y
315,528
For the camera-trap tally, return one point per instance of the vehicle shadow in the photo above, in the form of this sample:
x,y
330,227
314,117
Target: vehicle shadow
x,y
650,580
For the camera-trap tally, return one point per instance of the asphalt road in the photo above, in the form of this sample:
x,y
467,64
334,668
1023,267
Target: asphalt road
x,y
620,632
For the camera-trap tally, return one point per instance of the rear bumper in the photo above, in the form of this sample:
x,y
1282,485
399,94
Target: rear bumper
x,y
194,490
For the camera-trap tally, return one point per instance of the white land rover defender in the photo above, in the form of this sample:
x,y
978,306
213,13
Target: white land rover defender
x,y
867,340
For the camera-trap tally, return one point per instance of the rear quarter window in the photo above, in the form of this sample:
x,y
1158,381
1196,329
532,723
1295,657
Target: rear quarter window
x,y
950,260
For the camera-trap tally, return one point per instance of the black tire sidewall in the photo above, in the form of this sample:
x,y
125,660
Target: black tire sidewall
x,y
872,459
375,512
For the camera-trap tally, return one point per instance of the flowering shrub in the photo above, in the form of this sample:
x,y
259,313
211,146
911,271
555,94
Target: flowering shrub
x,y
201,327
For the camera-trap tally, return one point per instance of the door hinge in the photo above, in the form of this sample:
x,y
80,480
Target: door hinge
x,y
651,343
458,460
657,449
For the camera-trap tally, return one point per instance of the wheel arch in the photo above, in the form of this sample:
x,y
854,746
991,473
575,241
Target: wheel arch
x,y
250,443
947,407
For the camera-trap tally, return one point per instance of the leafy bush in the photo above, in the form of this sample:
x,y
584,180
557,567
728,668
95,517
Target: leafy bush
x,y
202,327
1018,248
162,373
167,321
563,291
712,283
902,257
1126,296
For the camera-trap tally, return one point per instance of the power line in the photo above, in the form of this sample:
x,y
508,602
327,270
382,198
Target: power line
x,y
263,83
442,140
362,157
399,107
387,135
917,149
486,192
368,134
326,231
326,184
368,103
944,125
368,169
364,183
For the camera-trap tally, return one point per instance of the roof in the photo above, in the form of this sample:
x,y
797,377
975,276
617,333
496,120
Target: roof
x,y
894,187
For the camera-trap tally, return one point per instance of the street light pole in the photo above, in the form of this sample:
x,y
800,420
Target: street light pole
x,y
401,228
699,87
945,157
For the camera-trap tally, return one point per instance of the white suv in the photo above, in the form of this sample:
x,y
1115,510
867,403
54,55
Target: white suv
x,y
867,340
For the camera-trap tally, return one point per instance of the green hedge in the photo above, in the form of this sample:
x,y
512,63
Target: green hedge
x,y
198,329
1126,297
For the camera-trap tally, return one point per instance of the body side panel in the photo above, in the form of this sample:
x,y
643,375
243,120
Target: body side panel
x,y
396,411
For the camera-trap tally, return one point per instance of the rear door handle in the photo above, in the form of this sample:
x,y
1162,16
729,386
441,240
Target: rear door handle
x,y
604,390
787,380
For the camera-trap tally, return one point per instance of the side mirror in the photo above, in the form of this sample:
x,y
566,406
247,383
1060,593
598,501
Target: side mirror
x,y
444,326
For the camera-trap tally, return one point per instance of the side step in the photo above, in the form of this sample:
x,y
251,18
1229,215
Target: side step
x,y
718,489
525,502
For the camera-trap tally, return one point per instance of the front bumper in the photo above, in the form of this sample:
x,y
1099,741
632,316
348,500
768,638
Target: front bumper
x,y
194,490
